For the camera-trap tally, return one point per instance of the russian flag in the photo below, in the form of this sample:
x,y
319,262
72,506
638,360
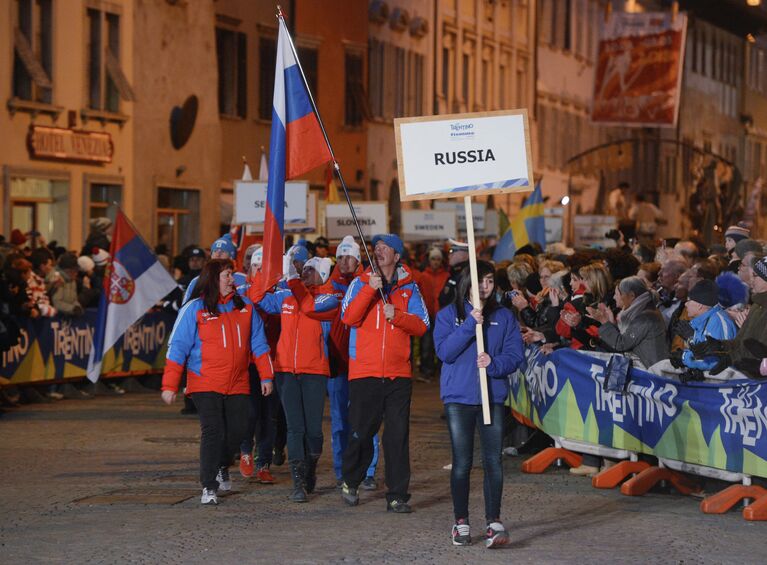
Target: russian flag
x,y
135,281
297,145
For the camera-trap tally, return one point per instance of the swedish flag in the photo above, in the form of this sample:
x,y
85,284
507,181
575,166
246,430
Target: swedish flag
x,y
527,227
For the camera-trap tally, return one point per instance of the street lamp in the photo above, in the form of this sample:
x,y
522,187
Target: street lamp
x,y
754,2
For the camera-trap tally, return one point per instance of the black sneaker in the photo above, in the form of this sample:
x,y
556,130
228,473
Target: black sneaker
x,y
278,457
461,534
398,506
339,484
369,483
349,495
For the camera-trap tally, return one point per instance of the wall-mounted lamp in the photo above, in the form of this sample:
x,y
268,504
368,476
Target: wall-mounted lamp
x,y
565,200
180,170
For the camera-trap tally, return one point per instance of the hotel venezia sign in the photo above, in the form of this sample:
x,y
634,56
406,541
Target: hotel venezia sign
x,y
70,145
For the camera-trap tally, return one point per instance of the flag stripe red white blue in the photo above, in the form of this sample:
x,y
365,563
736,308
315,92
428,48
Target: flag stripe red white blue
x,y
296,146
135,281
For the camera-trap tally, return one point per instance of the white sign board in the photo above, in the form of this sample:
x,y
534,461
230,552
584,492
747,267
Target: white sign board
x,y
553,218
372,216
591,230
463,155
429,225
250,202
492,226
477,211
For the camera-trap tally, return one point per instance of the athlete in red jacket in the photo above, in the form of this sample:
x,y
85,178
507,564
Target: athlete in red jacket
x,y
379,369
215,335
435,277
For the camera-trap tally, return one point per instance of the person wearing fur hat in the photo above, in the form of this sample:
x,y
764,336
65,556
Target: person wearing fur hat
x,y
738,352
733,235
301,364
348,266
708,320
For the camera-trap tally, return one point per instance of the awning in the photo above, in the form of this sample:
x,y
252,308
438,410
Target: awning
x,y
27,56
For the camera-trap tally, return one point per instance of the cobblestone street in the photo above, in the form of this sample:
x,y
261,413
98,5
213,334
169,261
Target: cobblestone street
x,y
54,455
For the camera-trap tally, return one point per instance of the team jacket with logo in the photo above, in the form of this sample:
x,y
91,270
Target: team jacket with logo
x,y
216,348
303,343
378,348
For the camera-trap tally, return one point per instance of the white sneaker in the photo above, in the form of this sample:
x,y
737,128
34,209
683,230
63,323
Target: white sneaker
x,y
496,535
209,496
55,395
224,482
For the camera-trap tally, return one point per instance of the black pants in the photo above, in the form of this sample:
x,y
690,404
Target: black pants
x,y
223,423
373,400
303,398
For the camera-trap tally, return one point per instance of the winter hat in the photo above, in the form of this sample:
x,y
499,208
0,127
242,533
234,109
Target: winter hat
x,y
348,247
196,252
737,233
321,242
101,224
436,252
300,252
85,263
248,257
458,246
732,290
224,244
100,257
257,259
322,265
705,292
392,240
760,268
747,246
17,238
68,261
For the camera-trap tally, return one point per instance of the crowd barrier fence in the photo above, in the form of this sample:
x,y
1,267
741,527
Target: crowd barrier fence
x,y
716,430
54,349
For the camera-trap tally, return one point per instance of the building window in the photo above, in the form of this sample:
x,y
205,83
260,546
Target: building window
x,y
376,77
103,200
231,51
309,58
32,51
42,205
400,74
355,103
107,83
267,55
522,77
178,218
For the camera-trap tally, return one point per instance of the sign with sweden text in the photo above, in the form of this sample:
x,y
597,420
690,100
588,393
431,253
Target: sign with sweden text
x,y
429,225
250,202
463,155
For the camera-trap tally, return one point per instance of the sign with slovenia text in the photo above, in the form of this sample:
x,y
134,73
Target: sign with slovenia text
x,y
250,202
463,155
372,216
429,224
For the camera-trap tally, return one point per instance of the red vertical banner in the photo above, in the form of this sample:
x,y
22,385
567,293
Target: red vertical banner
x,y
639,70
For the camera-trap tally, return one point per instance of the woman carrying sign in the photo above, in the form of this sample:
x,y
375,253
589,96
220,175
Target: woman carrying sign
x,y
455,342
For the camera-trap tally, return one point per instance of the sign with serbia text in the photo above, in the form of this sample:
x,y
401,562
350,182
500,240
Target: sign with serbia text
x,y
250,202
463,155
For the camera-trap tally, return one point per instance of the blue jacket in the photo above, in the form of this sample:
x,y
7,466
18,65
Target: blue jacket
x,y
455,343
716,324
239,280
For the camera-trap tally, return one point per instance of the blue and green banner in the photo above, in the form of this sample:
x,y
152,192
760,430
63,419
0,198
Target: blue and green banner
x,y
52,349
720,425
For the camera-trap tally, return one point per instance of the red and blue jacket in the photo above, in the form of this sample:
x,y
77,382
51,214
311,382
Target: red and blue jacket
x,y
338,342
216,348
377,347
305,316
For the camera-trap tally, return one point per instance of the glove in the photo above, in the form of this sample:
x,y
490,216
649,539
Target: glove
x,y
676,359
723,362
709,347
683,329
692,375
288,266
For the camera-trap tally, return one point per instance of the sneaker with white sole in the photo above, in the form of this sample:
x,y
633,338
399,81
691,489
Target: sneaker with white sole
x,y
461,534
209,496
350,495
224,482
496,536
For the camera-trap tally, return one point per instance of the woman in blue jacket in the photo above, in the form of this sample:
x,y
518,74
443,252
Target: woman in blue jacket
x,y
455,342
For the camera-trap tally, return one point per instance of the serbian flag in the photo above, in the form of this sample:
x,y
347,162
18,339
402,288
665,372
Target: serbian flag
x,y
134,282
296,147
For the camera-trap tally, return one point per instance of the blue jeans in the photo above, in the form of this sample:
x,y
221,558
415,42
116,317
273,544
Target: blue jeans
x,y
461,421
303,398
338,395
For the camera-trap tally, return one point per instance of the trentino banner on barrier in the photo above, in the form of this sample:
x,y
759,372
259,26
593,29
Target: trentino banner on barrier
x,y
720,425
51,349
